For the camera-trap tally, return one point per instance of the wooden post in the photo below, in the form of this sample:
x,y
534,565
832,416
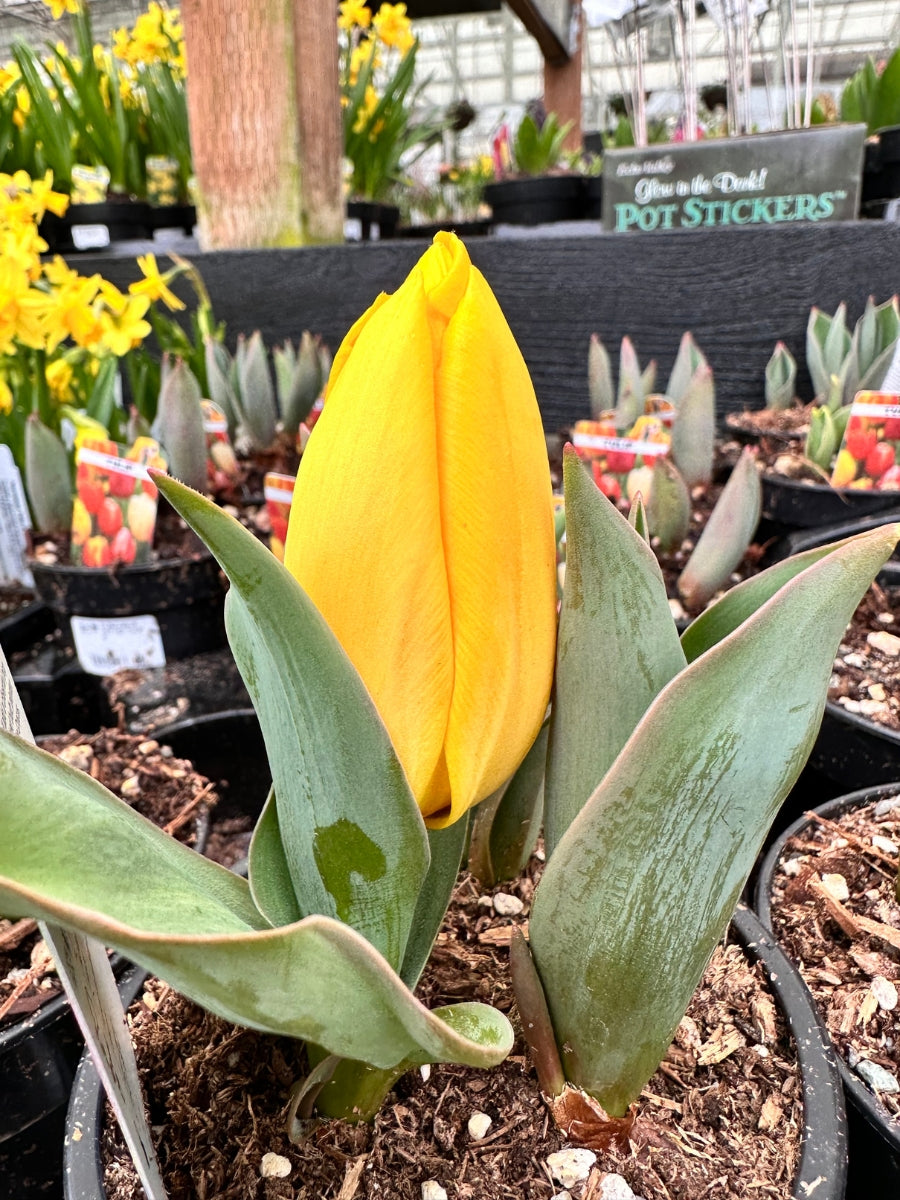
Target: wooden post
x,y
562,85
248,135
319,119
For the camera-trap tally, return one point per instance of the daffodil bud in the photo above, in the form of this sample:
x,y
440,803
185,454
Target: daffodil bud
x,y
422,529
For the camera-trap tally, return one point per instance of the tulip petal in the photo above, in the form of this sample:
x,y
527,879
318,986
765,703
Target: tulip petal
x,y
498,542
365,541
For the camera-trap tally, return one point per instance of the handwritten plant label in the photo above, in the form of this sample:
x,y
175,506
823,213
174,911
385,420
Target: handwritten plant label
x,y
221,461
114,511
105,645
869,457
15,523
279,492
622,466
801,175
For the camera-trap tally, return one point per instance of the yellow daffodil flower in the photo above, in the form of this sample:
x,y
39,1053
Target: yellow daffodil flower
x,y
58,7
354,15
6,398
154,285
59,379
423,531
124,326
393,27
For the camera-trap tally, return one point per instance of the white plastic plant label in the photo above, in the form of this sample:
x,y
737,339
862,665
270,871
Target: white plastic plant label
x,y
15,522
90,237
108,644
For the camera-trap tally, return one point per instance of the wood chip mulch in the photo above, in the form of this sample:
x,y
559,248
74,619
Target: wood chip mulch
x,y
722,1116
835,912
165,789
866,677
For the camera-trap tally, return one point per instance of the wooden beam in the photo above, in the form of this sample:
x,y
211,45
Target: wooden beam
x,y
562,86
548,22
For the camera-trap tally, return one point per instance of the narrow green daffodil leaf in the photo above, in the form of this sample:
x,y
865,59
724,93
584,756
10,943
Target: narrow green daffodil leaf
x,y
618,646
74,855
447,847
269,874
644,882
741,601
353,838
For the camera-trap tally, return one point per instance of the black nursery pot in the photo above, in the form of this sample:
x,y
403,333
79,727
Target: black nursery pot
x,y
124,220
185,595
881,172
536,201
874,1137
791,504
823,1159
376,221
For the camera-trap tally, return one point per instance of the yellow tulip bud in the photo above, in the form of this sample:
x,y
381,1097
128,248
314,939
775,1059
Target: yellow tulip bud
x,y
422,530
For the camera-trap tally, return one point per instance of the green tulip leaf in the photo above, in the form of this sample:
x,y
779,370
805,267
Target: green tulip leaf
x,y
75,855
352,835
268,871
742,601
447,846
618,646
644,882
506,825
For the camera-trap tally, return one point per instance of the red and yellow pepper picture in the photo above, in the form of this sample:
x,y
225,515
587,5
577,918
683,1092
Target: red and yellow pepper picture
x,y
114,512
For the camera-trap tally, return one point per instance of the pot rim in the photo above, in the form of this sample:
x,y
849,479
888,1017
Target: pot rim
x,y
823,1160
862,1098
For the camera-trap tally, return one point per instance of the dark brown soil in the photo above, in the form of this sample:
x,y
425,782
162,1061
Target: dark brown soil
x,y
172,539
281,456
866,679
773,429
164,789
13,599
723,1109
835,912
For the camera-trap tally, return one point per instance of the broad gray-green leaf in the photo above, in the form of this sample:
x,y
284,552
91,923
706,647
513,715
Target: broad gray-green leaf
x,y
447,847
781,378
630,395
600,384
257,392
694,428
48,479
218,363
669,510
113,875
727,535
617,647
742,601
353,837
646,878
506,826
268,871
689,358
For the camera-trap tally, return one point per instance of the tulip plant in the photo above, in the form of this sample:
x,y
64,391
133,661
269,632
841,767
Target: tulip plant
x,y
400,663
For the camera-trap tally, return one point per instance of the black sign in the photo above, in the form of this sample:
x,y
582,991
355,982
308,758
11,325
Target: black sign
x,y
807,175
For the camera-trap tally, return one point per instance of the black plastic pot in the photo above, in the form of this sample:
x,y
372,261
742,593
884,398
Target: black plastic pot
x,y
823,1160
593,197
228,748
881,172
376,221
874,1137
794,505
174,216
536,201
186,595
809,539
125,220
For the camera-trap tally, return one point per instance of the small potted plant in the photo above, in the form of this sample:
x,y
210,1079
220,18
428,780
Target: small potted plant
x,y
533,184
383,131
390,710
872,96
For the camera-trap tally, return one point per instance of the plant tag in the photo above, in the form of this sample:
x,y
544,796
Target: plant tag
x,y
620,465
90,237
162,179
114,512
279,492
89,184
221,460
15,523
353,229
869,458
91,987
108,644
315,412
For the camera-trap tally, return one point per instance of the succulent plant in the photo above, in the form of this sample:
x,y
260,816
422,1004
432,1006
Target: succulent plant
x,y
781,378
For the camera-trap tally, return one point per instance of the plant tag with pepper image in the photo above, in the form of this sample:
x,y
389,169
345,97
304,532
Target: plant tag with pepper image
x,y
221,461
869,457
114,512
622,466
279,492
